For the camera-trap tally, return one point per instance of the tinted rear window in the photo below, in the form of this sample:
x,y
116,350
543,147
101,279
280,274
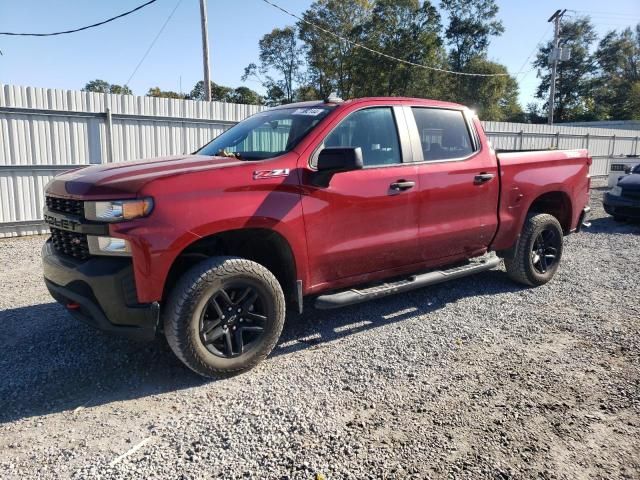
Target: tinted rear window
x,y
443,133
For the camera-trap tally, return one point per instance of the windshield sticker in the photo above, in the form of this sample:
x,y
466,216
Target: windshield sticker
x,y
312,112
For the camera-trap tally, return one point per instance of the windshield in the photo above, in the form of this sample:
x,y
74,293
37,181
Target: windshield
x,y
266,134
636,169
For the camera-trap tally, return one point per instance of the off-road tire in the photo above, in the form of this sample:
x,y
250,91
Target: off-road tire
x,y
182,314
520,267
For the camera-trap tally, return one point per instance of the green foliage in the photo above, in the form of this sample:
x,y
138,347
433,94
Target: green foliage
x,y
593,85
410,30
101,86
495,97
220,93
574,78
281,54
332,63
156,92
617,83
472,23
402,29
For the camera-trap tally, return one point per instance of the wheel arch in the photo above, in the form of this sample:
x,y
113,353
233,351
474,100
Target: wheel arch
x,y
556,203
261,245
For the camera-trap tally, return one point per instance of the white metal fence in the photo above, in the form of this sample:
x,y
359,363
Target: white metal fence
x,y
46,131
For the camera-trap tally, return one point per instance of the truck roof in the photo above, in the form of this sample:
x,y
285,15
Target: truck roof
x,y
418,101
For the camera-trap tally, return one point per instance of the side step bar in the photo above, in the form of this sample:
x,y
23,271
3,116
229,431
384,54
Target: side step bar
x,y
353,296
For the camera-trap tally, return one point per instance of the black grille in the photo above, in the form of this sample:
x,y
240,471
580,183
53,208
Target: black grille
x,y
633,194
65,205
70,243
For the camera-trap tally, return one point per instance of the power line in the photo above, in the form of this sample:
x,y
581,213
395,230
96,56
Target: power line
x,y
135,70
606,14
535,49
81,28
382,54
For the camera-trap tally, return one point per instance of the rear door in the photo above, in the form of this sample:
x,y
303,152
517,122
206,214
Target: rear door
x,y
459,184
365,220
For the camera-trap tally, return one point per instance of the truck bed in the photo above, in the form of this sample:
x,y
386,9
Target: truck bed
x,y
526,176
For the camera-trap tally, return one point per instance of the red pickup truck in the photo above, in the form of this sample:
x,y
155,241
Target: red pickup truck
x,y
344,201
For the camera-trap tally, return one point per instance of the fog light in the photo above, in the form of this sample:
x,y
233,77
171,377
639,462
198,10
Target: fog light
x,y
108,246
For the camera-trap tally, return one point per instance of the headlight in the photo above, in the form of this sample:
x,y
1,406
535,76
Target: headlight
x,y
108,246
118,210
615,191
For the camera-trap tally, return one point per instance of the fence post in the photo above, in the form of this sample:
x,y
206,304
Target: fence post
x,y
558,140
586,137
613,146
635,150
109,134
521,134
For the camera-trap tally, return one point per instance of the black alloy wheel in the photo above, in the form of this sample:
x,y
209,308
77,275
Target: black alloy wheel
x,y
224,316
544,253
538,251
233,319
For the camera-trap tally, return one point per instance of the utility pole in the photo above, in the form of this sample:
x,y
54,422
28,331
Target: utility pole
x,y
555,56
205,50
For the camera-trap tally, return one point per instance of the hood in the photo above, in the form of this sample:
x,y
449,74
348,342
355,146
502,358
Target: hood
x,y
125,179
630,182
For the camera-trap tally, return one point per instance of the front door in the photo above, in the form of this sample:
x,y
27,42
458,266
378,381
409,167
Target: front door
x,y
365,220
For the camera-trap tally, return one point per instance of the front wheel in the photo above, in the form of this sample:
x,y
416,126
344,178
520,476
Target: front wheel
x,y
224,316
538,251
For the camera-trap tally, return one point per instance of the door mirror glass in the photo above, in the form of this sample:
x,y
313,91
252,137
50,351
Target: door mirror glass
x,y
334,160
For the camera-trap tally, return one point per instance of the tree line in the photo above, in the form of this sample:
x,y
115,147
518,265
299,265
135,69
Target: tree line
x,y
301,62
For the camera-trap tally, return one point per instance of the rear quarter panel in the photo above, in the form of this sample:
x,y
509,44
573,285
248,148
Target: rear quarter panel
x,y
525,176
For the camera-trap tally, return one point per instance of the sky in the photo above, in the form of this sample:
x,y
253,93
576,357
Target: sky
x,y
112,52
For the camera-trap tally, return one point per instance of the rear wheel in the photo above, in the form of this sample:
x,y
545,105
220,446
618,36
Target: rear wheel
x,y
538,251
224,316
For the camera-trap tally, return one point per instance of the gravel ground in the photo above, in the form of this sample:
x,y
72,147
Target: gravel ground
x,y
480,378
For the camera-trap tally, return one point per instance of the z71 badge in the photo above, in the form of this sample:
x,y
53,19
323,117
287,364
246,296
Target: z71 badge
x,y
264,174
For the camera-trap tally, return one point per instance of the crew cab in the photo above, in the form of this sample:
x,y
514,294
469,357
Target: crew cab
x,y
342,201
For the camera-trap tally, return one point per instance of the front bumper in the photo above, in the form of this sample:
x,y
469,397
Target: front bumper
x,y
101,292
620,206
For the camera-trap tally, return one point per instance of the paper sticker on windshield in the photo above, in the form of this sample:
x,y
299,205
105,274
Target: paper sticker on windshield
x,y
312,112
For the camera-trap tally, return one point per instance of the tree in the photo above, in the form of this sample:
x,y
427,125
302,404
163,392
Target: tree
x,y
534,113
404,29
472,23
280,55
156,92
332,63
495,98
245,95
574,95
101,86
220,93
618,75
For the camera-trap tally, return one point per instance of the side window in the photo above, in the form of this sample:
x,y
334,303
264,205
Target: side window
x,y
443,133
374,131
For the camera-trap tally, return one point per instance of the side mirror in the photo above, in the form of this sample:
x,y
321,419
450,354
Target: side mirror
x,y
627,169
334,160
